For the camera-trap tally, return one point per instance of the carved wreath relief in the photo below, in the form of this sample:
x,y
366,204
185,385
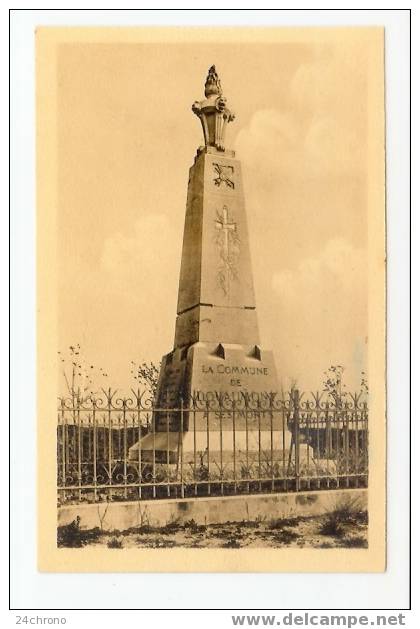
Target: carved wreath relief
x,y
224,175
228,243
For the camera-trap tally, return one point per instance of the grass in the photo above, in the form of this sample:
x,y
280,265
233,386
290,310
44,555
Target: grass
x,y
192,526
280,523
332,526
285,536
115,543
72,536
344,527
231,543
355,542
347,512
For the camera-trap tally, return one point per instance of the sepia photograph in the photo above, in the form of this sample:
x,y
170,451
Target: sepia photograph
x,y
211,299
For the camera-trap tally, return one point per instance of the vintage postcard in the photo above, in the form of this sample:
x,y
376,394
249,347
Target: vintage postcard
x,y
211,299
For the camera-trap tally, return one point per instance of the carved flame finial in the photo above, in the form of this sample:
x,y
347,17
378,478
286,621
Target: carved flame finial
x,y
213,112
213,85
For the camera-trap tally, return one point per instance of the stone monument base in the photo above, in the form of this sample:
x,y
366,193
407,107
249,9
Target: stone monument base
x,y
216,403
218,373
211,448
209,392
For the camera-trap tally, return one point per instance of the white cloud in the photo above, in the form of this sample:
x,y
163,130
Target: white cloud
x,y
334,79
141,259
322,307
320,126
339,267
278,144
268,142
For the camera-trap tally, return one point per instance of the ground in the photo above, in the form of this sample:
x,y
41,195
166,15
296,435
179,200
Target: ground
x,y
338,529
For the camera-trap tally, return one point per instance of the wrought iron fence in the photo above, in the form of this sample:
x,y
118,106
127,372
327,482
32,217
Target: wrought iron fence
x,y
208,445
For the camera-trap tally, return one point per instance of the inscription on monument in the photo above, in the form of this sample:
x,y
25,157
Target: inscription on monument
x,y
238,370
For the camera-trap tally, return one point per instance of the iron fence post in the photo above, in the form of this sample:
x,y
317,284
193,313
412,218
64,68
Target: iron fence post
x,y
168,469
182,447
110,443
63,449
95,477
296,436
139,418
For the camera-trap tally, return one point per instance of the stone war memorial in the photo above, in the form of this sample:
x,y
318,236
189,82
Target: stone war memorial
x,y
212,448
217,366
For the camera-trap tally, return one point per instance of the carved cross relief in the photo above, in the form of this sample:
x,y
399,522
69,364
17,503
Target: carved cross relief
x,y
228,242
222,222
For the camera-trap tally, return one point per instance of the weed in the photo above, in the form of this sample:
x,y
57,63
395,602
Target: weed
x,y
115,543
280,523
332,526
170,527
220,532
218,525
194,527
354,542
231,543
158,543
250,524
148,529
69,535
145,529
286,536
347,512
361,517
72,536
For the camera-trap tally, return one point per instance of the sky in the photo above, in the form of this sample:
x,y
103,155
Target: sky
x,y
126,140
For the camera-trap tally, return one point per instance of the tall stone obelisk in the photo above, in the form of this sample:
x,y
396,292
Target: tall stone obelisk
x,y
217,345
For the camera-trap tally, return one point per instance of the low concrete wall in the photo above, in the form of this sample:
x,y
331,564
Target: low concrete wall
x,y
124,515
